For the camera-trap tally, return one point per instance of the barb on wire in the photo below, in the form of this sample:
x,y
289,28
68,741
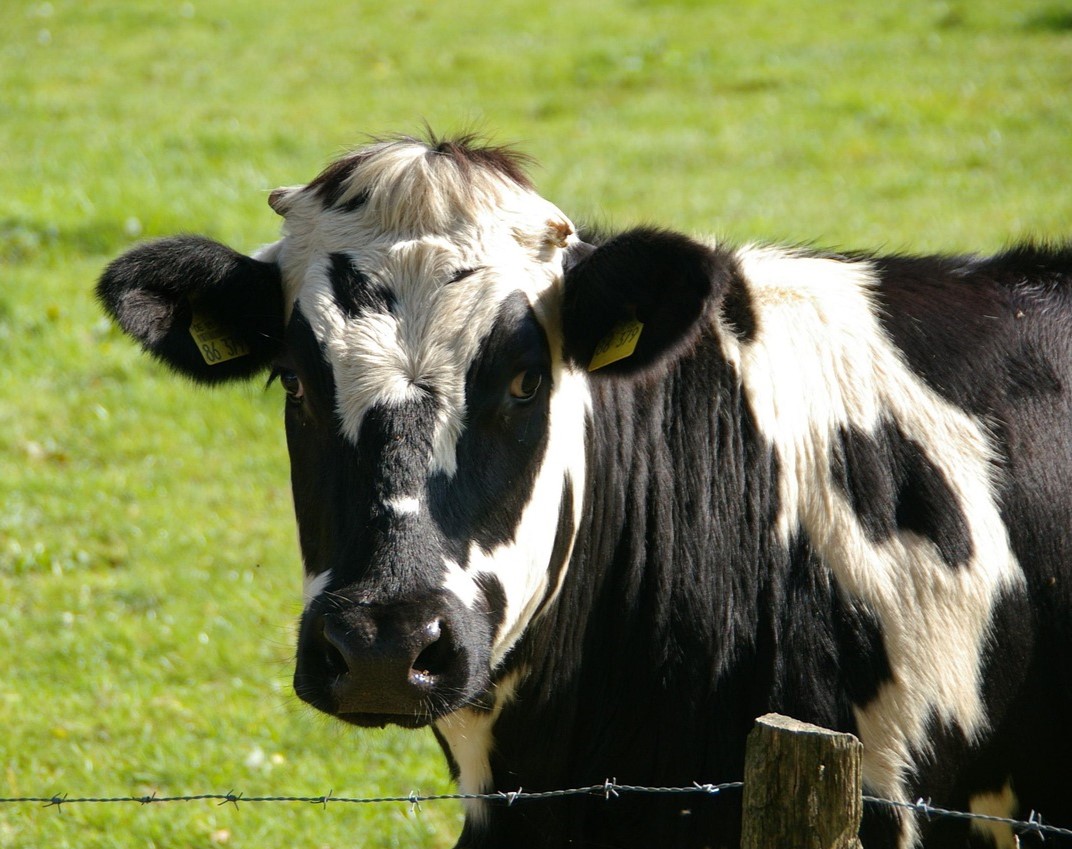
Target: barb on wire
x,y
510,797
1033,824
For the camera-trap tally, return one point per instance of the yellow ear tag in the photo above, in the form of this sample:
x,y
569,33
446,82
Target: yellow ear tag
x,y
214,342
617,345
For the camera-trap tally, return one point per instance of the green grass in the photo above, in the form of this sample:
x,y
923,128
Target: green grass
x,y
149,576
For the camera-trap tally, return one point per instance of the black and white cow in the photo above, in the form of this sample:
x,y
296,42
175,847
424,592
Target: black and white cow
x,y
587,510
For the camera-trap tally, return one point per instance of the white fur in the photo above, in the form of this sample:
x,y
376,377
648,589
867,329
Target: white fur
x,y
460,582
821,361
468,735
314,585
404,506
1001,804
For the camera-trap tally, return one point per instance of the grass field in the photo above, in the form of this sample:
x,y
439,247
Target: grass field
x,y
149,577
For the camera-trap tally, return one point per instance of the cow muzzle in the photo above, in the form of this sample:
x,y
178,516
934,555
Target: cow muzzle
x,y
402,663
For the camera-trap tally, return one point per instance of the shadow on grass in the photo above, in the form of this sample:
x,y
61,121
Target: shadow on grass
x,y
1053,19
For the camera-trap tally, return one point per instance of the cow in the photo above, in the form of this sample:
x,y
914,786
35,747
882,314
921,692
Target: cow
x,y
587,505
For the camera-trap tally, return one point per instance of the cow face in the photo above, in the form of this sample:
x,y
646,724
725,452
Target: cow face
x,y
432,422
430,319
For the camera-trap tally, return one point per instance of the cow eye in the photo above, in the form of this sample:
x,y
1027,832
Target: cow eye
x,y
291,384
525,385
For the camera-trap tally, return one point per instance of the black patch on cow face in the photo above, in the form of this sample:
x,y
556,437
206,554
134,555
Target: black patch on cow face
x,y
398,441
330,184
319,458
354,293
892,485
306,357
504,440
469,152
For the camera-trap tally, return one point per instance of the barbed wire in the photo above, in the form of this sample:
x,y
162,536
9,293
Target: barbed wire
x,y
1033,823
608,789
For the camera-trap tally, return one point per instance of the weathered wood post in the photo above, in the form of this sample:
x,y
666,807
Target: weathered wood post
x,y
801,787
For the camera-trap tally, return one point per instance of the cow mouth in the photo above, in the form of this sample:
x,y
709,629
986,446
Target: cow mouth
x,y
382,720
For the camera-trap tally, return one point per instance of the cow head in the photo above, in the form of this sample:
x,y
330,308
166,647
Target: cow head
x,y
431,320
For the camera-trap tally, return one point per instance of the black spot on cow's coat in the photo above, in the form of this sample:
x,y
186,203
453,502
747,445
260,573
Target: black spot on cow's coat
x,y
737,309
892,485
354,293
866,666
494,595
968,324
1030,374
862,471
839,634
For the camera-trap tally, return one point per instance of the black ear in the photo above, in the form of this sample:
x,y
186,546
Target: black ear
x,y
663,280
207,311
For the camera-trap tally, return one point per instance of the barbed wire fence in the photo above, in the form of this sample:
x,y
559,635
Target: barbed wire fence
x,y
781,753
609,789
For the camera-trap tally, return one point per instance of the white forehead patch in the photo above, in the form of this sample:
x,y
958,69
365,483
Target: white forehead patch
x,y
425,344
410,217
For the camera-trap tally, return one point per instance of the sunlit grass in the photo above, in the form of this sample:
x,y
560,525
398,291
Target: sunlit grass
x,y
149,576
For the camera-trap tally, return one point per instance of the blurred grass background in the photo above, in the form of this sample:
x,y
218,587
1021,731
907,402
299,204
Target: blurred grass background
x,y
149,575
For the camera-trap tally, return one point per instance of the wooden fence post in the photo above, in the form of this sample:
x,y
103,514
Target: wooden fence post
x,y
801,787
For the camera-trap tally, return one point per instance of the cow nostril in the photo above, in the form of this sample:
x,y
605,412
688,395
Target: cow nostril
x,y
434,659
334,659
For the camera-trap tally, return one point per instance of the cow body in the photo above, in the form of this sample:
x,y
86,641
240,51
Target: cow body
x,y
831,486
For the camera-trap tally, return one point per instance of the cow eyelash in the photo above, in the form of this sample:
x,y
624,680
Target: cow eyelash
x,y
290,382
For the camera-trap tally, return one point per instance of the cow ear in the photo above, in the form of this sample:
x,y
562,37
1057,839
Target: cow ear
x,y
637,300
207,311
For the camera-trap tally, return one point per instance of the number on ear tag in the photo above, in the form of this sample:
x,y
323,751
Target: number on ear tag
x,y
214,342
617,345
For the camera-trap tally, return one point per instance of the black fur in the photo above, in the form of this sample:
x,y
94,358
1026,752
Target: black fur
x,y
153,290
353,292
662,279
892,485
